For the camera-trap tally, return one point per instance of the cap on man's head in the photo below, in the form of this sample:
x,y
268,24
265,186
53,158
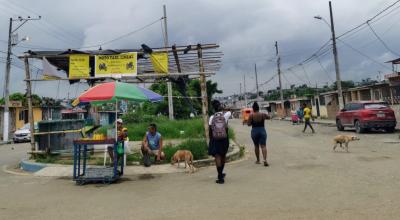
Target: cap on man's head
x,y
119,120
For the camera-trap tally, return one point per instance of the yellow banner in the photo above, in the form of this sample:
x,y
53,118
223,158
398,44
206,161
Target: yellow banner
x,y
160,62
118,65
79,66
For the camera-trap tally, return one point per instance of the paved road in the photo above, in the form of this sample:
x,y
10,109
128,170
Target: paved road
x,y
306,180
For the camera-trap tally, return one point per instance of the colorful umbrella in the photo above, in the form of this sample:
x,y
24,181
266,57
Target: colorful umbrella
x,y
114,91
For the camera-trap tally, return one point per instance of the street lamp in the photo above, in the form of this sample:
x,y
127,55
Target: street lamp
x,y
335,56
26,38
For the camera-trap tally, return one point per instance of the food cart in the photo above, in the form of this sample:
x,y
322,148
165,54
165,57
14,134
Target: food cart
x,y
110,92
84,174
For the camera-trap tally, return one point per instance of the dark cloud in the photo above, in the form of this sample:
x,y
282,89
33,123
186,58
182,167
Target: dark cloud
x,y
246,31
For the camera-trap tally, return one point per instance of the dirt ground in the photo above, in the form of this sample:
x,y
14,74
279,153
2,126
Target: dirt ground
x,y
306,180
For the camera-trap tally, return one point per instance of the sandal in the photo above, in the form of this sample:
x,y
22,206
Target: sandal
x,y
258,162
266,164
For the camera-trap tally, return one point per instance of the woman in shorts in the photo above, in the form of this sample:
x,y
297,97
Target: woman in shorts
x,y
258,133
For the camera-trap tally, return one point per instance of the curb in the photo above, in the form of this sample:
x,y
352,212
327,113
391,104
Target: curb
x,y
314,122
31,166
5,142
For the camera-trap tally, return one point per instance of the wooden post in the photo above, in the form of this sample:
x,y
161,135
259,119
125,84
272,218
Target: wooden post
x,y
203,88
30,107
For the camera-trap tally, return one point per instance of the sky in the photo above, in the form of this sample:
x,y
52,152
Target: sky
x,y
245,30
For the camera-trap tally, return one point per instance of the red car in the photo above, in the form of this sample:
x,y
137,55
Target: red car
x,y
366,115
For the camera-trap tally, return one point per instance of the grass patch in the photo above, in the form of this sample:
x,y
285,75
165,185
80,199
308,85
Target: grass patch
x,y
242,150
199,149
191,128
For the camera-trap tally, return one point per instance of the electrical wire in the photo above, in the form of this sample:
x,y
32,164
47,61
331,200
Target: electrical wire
x,y
363,54
380,39
369,20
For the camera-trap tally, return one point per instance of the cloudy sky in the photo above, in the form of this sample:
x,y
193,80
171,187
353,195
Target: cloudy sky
x,y
246,31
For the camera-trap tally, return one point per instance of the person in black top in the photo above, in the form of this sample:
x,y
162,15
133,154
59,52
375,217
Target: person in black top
x,y
258,133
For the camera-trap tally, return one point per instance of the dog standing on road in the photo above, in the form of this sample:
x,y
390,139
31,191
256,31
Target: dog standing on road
x,y
343,139
183,155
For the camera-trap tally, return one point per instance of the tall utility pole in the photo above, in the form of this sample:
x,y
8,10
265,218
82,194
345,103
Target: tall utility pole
x,y
244,87
6,118
255,71
335,55
278,63
169,83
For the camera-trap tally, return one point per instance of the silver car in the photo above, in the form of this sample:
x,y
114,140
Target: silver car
x,y
23,134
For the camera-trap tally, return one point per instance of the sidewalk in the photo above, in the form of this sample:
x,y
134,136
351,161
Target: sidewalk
x,y
57,170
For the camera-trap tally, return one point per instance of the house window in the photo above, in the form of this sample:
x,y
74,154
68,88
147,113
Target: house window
x,y
21,116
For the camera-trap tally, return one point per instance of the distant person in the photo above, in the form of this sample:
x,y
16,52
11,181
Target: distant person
x,y
300,114
219,140
307,118
122,134
152,145
258,133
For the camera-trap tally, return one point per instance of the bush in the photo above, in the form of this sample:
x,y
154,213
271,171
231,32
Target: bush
x,y
192,128
197,147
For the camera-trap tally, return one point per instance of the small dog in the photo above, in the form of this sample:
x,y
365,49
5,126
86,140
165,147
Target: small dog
x,y
343,139
183,155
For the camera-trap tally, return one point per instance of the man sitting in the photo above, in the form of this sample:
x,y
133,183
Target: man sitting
x,y
152,145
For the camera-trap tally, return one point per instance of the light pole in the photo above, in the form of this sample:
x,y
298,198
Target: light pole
x,y
335,56
6,117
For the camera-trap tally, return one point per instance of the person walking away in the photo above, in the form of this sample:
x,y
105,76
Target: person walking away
x,y
219,140
258,132
307,118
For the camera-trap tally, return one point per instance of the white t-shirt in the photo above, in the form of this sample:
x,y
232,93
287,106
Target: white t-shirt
x,y
227,115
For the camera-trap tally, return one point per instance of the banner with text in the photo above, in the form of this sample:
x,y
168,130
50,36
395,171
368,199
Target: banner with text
x,y
118,65
79,66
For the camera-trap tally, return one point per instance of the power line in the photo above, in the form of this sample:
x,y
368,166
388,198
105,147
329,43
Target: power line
x,y
380,39
363,54
369,20
325,71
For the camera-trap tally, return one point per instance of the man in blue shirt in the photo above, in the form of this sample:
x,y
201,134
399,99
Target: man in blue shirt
x,y
152,145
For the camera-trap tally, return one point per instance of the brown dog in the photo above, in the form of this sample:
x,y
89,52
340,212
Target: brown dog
x,y
183,155
343,139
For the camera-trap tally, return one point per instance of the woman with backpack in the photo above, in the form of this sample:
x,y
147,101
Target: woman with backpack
x,y
258,133
219,140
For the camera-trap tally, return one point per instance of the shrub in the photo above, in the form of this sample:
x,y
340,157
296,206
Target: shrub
x,y
197,147
192,128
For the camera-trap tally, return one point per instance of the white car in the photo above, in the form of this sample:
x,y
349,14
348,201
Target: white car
x,y
23,134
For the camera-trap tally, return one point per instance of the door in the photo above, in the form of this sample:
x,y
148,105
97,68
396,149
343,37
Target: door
x,y
346,114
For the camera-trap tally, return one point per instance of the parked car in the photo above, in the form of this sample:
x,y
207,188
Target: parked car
x,y
366,115
23,134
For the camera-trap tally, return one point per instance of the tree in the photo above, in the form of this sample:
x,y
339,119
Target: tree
x,y
181,107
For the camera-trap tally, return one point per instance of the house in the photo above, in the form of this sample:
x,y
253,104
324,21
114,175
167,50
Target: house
x,y
328,101
19,116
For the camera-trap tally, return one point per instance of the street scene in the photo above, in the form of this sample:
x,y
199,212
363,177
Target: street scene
x,y
305,180
203,110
